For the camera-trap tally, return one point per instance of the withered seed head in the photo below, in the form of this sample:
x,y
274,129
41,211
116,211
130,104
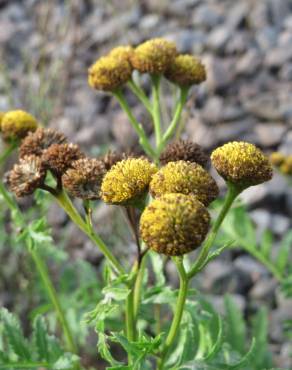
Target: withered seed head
x,y
112,157
184,150
59,157
26,176
36,142
84,179
174,224
185,178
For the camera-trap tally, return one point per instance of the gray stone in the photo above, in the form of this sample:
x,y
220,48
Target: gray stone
x,y
286,145
252,197
278,57
238,43
249,62
237,14
248,265
234,130
219,74
270,134
264,290
200,133
286,72
188,41
149,21
288,22
261,218
280,224
207,16
218,38
267,38
280,9
277,320
265,106
218,302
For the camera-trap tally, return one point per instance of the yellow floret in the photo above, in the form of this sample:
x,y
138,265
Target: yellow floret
x,y
17,124
109,73
127,181
154,56
186,70
242,164
174,224
122,52
186,178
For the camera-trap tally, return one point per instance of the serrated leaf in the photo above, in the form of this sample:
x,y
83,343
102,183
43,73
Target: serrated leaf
x,y
266,243
14,336
115,293
246,359
40,339
285,249
103,350
66,362
219,340
235,326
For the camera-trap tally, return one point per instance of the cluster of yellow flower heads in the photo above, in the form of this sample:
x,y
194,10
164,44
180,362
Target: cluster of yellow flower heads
x,y
156,57
282,162
16,124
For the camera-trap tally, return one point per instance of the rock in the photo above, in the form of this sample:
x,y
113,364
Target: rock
x,y
267,38
270,135
249,62
207,16
265,106
264,290
252,197
217,301
279,9
188,41
212,111
278,56
280,224
288,22
219,75
234,130
200,133
249,266
262,220
56,216
277,320
286,145
238,43
237,15
149,21
286,72
218,38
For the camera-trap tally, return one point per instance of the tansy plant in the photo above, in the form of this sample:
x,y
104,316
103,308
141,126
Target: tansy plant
x,y
165,193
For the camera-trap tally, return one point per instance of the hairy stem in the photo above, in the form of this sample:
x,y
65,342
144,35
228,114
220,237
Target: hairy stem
x,y
232,193
178,313
136,125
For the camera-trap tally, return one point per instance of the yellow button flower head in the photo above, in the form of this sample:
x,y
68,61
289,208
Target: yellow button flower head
x,y
36,142
16,124
127,181
174,224
286,166
277,158
242,164
1,117
186,70
83,179
122,52
26,176
154,56
186,178
109,73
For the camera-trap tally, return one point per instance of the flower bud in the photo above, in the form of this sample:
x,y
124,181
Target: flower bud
x,y
242,164
127,181
36,142
16,124
186,178
184,150
186,70
109,73
154,56
174,224
26,176
83,179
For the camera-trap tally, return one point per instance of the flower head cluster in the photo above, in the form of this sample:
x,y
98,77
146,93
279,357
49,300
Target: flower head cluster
x,y
174,224
17,124
184,150
186,70
242,164
282,162
186,178
83,179
127,181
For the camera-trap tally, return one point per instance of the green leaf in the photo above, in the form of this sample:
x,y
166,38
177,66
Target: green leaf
x,y
115,293
103,349
235,326
66,362
218,343
40,339
266,243
14,336
246,359
283,255
157,264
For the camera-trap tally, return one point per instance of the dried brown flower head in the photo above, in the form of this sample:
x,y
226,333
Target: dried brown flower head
x,y
26,176
36,142
112,157
83,179
58,158
184,150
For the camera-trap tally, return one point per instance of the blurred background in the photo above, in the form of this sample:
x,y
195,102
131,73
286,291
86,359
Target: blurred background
x,y
46,48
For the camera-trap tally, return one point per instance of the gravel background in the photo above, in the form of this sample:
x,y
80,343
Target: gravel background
x,y
47,46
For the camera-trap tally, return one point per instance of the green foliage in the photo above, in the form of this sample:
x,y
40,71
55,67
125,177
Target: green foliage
x,y
39,350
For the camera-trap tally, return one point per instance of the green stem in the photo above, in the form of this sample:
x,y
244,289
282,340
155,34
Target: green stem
x,y
130,319
10,148
27,365
42,270
140,95
174,328
232,193
176,117
136,125
47,283
156,108
138,286
65,203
